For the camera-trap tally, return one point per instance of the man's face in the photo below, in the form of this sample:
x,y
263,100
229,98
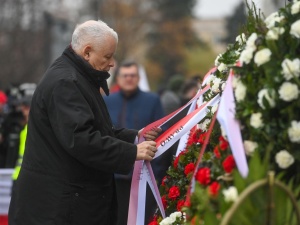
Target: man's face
x,y
128,78
102,59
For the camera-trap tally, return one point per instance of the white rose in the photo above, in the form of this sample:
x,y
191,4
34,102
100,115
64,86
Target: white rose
x,y
250,147
294,131
203,126
256,120
210,78
223,86
288,91
214,108
167,221
251,41
284,159
230,194
175,215
272,19
240,91
215,88
246,55
222,67
217,63
235,80
290,68
273,33
216,85
295,29
241,38
265,93
262,56
217,81
295,8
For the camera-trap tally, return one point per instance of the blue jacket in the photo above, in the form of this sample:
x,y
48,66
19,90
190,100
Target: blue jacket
x,y
136,111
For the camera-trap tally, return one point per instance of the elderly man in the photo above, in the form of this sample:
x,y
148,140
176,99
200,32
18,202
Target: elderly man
x,y
72,149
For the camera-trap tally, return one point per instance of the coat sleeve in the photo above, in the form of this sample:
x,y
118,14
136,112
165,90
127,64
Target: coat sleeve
x,y
72,121
128,135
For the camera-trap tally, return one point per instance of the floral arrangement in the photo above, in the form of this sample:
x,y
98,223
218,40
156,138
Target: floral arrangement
x,y
217,163
216,166
266,89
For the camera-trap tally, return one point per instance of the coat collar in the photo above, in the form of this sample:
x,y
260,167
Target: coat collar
x,y
96,77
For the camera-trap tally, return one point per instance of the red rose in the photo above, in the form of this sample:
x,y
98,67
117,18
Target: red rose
x,y
180,204
214,188
164,201
192,138
203,176
217,152
223,143
174,192
228,164
175,164
187,203
201,138
189,168
195,137
153,221
163,181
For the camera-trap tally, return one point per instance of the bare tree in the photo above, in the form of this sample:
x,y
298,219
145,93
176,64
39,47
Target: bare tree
x,y
130,18
23,41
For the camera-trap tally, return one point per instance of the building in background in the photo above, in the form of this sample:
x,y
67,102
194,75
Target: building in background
x,y
211,31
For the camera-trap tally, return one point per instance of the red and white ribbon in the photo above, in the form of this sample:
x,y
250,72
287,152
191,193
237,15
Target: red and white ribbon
x,y
143,172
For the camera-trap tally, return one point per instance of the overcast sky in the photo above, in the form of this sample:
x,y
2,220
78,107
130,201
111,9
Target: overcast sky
x,y
218,8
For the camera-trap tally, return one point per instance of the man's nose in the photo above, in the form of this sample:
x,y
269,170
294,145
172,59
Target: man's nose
x,y
112,63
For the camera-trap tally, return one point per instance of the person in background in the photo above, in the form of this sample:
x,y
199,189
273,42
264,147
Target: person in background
x,y
130,107
189,90
170,95
72,149
27,90
134,109
13,123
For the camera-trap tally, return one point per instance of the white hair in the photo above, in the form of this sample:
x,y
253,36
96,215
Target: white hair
x,y
91,32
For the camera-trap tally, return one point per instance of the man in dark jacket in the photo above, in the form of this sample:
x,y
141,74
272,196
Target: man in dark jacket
x,y
72,149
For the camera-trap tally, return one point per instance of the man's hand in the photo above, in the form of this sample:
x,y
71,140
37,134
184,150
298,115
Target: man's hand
x,y
152,134
146,150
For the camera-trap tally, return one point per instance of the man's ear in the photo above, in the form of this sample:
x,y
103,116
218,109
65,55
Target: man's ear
x,y
86,52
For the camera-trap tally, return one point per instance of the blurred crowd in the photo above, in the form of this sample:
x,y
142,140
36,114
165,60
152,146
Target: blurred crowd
x,y
178,91
14,111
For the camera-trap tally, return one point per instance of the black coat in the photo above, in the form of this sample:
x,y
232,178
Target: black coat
x,y
71,151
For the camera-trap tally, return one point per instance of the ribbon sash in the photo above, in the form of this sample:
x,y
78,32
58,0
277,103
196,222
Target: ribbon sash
x,y
143,172
226,117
